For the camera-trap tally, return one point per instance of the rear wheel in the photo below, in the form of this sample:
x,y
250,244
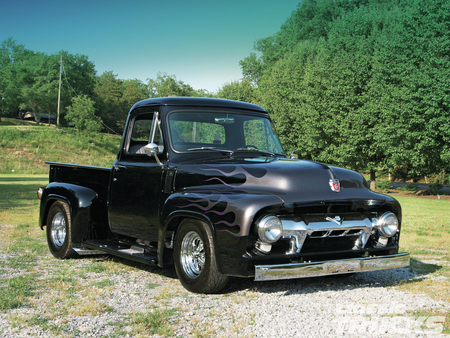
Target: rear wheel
x,y
195,260
59,231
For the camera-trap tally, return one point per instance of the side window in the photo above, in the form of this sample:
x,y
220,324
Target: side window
x,y
141,130
145,129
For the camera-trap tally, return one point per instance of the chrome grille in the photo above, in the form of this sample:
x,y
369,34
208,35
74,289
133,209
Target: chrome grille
x,y
352,233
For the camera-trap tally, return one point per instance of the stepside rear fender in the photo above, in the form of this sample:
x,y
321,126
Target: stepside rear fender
x,y
84,206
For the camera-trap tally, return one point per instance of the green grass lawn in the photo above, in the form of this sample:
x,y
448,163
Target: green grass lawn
x,y
18,198
426,226
426,235
25,147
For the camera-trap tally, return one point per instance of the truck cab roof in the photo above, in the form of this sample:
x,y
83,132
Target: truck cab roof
x,y
198,102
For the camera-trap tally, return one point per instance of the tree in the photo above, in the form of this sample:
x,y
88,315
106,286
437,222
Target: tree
x,y
369,88
81,115
252,68
78,78
30,80
311,21
115,97
13,59
239,91
167,85
414,92
109,90
39,90
133,91
282,92
354,119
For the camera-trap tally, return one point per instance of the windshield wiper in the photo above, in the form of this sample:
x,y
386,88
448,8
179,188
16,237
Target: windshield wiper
x,y
223,151
255,150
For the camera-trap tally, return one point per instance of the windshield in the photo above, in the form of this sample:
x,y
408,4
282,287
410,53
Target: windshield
x,y
205,130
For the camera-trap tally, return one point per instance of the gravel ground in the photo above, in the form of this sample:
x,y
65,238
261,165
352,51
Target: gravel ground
x,y
365,304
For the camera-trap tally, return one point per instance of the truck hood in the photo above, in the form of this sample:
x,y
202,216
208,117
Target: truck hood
x,y
291,180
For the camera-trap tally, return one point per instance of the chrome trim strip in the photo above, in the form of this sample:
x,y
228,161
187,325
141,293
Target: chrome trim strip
x,y
325,268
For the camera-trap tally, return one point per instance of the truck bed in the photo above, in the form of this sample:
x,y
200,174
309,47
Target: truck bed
x,y
87,176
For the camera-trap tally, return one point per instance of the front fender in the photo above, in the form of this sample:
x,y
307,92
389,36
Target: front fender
x,y
80,201
229,213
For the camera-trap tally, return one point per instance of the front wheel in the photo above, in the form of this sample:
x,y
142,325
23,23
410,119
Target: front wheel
x,y
59,231
195,259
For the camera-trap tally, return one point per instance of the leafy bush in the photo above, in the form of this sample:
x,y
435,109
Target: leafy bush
x,y
81,115
410,187
435,188
383,185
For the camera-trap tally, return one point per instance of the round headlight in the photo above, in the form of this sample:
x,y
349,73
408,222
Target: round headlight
x,y
269,229
388,224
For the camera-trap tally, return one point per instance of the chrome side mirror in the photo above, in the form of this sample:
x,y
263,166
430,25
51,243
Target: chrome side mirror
x,y
294,155
151,150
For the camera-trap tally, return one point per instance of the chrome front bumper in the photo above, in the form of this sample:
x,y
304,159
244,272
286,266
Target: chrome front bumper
x,y
325,268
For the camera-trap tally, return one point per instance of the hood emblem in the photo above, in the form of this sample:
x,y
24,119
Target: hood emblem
x,y
335,185
338,220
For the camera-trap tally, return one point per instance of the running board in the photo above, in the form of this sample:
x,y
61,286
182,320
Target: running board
x,y
87,252
132,252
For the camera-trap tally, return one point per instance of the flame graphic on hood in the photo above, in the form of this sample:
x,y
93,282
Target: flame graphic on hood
x,y
219,203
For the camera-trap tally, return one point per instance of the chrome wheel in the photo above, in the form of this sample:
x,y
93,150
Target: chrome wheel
x,y
59,230
192,254
195,258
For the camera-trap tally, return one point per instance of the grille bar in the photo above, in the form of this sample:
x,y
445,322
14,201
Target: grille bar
x,y
336,233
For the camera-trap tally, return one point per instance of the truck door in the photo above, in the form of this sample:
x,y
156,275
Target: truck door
x,y
135,184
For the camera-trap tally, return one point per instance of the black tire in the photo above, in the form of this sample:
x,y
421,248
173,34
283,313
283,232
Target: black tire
x,y
195,259
59,231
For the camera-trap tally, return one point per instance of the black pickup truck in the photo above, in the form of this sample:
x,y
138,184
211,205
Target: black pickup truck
x,y
204,184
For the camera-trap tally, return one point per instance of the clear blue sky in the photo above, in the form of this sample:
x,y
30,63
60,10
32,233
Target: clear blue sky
x,y
199,41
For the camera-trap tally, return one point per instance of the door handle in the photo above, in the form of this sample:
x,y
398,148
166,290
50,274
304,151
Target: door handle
x,y
119,167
